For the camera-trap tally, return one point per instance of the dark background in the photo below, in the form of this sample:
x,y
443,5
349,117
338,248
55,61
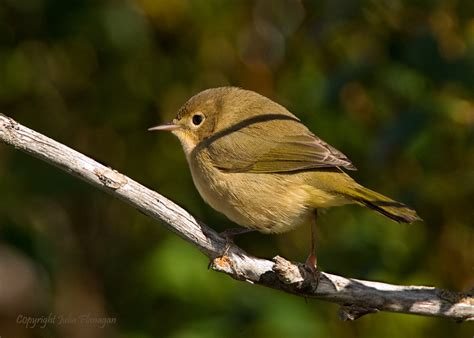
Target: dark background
x,y
389,83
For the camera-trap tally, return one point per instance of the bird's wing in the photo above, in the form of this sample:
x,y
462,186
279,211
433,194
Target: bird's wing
x,y
285,145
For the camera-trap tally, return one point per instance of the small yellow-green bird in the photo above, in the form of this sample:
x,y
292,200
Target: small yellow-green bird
x,y
256,163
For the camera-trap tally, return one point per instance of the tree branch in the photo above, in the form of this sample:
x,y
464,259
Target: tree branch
x,y
356,297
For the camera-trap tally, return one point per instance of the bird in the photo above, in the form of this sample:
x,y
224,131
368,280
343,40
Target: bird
x,y
259,165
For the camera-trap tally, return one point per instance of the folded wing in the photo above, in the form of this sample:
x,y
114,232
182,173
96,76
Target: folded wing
x,y
274,147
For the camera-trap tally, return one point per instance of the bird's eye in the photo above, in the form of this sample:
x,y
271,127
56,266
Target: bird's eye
x,y
197,119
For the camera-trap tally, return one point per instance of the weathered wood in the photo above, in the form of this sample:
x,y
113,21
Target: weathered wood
x,y
356,297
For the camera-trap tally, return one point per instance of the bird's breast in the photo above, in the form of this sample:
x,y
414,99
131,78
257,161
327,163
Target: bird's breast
x,y
269,203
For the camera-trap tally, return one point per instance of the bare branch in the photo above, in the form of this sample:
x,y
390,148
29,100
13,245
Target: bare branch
x,y
356,297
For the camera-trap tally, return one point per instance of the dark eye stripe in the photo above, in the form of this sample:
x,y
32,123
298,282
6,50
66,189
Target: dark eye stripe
x,y
197,119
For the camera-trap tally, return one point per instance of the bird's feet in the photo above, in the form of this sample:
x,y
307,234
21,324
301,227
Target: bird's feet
x,y
229,235
311,264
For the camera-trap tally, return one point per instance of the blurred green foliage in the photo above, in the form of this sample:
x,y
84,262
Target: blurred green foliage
x,y
390,83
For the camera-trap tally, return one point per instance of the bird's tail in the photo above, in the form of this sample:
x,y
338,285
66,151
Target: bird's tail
x,y
386,206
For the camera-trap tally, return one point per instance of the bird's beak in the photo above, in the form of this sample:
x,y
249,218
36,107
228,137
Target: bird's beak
x,y
170,126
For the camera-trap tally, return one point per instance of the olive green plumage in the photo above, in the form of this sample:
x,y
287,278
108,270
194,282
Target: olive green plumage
x,y
255,162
